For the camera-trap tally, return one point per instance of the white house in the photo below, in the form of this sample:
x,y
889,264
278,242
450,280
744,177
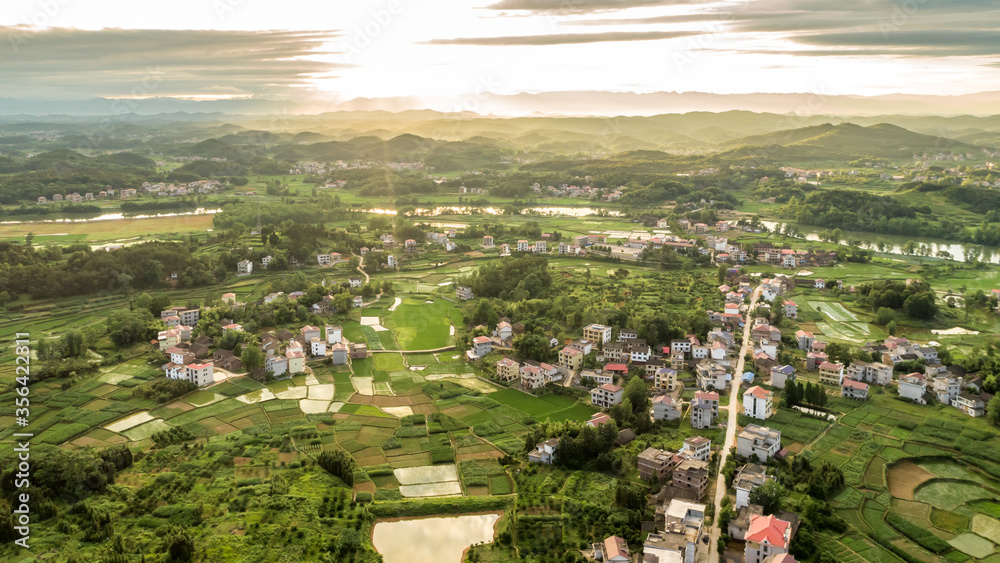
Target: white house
x,y
334,334
199,374
544,452
748,478
768,536
318,346
697,447
481,345
758,442
244,268
914,387
758,403
664,408
607,395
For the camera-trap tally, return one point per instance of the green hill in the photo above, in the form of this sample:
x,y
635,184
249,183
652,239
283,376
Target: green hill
x,y
846,141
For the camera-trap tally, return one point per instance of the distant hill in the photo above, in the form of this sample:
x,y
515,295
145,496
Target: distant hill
x,y
845,141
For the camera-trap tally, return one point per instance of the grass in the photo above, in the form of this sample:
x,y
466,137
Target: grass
x,y
421,326
546,407
949,495
972,544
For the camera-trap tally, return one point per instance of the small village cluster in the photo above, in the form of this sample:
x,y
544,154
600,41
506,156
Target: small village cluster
x,y
161,189
709,365
285,353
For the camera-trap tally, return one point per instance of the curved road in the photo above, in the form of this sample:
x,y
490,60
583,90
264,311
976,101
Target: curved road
x,y
734,402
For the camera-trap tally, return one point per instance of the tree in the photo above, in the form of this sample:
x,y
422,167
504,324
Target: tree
x,y
769,496
791,394
884,316
129,327
891,328
533,347
920,305
339,464
636,393
179,545
252,357
993,410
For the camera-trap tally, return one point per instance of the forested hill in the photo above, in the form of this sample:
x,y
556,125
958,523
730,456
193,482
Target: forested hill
x,y
841,142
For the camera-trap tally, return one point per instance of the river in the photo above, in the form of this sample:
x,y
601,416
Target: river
x,y
113,217
441,539
472,210
895,243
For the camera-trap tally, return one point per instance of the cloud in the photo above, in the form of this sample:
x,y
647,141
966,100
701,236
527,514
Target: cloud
x,y
564,38
582,6
60,63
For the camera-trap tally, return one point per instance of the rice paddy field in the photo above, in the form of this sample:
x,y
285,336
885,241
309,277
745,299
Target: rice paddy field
x,y
911,467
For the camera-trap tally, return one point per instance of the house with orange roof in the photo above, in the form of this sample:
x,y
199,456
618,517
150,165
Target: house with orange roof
x,y
616,550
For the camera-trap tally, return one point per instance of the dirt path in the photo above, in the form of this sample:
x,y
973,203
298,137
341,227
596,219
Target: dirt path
x,y
734,402
364,273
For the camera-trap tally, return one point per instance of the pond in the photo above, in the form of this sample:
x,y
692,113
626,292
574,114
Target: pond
x,y
895,243
431,540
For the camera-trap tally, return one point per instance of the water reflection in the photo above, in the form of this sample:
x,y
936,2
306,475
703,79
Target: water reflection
x,y
431,540
896,244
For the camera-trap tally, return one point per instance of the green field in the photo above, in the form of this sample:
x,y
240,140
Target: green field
x,y
418,325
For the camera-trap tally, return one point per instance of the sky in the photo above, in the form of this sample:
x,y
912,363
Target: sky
x,y
448,52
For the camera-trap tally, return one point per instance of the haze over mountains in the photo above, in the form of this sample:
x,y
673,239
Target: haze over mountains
x,y
544,103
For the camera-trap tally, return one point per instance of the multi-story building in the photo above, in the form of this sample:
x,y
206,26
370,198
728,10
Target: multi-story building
x,y
767,537
972,405
875,373
704,409
244,268
571,358
544,452
804,339
199,374
464,293
606,396
758,403
190,317
508,369
691,475
831,373
780,375
946,388
656,463
913,386
851,389
665,408
597,333
481,345
748,478
665,379
697,447
758,442
599,377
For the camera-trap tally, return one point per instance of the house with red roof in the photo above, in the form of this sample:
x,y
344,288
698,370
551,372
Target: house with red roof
x,y
767,536
758,403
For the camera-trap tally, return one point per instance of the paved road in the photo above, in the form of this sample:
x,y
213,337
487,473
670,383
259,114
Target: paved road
x,y
734,403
